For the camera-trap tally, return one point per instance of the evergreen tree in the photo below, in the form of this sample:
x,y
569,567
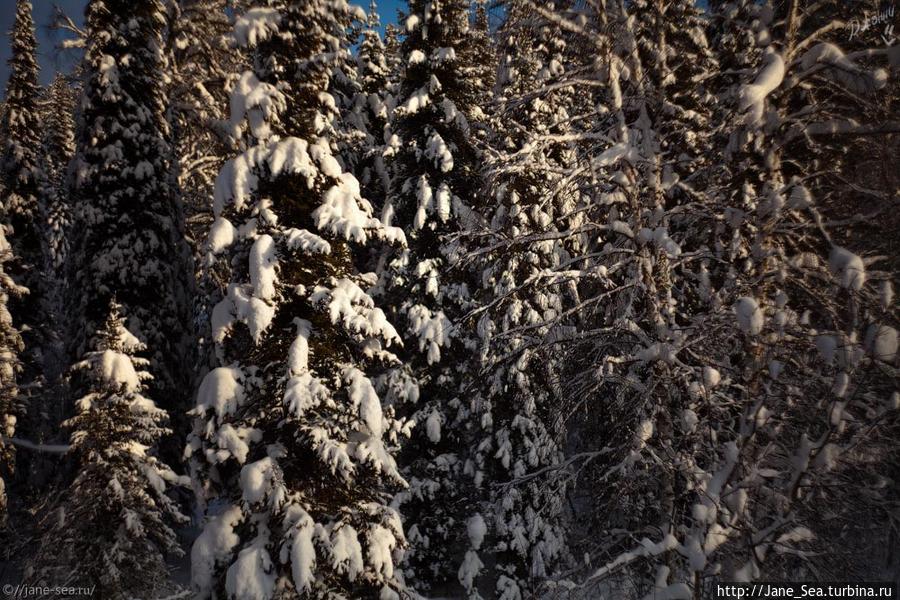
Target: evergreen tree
x,y
370,112
392,52
21,186
128,227
292,449
350,127
20,172
480,65
434,179
373,66
113,527
528,255
59,149
48,407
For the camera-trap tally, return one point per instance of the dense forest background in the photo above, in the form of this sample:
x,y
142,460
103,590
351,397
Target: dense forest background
x,y
522,299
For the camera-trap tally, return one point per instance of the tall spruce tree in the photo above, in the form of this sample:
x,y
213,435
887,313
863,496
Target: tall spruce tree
x,y
20,169
21,186
529,255
434,179
59,149
374,70
292,449
50,406
351,129
128,238
480,65
392,51
370,111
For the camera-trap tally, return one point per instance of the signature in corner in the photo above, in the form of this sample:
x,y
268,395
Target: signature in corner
x,y
884,16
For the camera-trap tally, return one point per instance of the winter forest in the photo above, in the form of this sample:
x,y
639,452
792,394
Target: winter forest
x,y
516,300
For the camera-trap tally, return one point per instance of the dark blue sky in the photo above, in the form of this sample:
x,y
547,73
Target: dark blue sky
x,y
51,60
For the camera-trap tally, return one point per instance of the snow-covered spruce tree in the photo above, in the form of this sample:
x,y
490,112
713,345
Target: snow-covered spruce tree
x,y
479,66
21,183
374,72
353,128
292,449
528,255
113,526
48,406
10,348
434,177
370,110
128,230
58,118
392,52
20,169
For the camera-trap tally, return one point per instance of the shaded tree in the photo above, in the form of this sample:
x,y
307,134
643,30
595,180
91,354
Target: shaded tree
x,y
292,448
